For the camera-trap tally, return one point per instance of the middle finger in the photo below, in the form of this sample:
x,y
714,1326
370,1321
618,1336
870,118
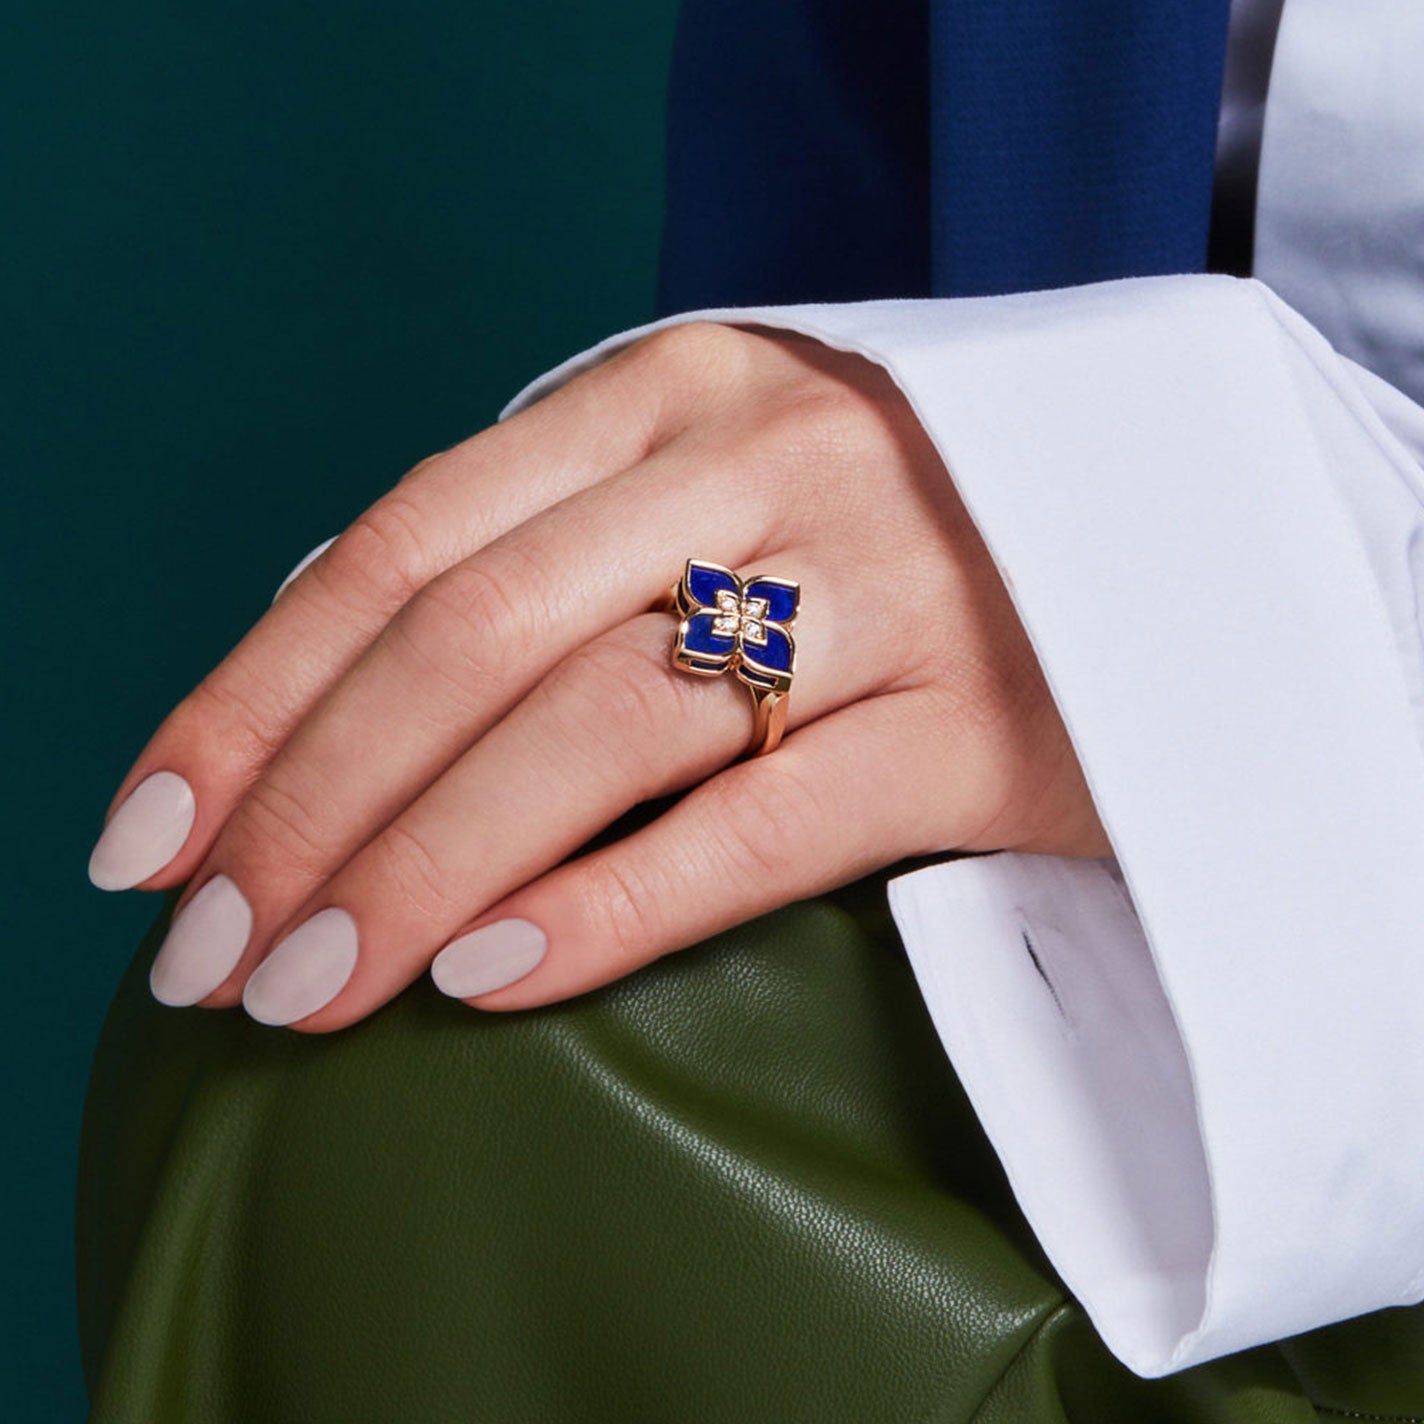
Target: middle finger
x,y
613,725
446,668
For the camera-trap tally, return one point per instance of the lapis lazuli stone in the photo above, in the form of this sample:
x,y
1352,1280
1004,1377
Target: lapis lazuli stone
x,y
700,637
704,583
781,599
775,656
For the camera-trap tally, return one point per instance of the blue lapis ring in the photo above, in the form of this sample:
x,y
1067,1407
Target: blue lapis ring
x,y
742,626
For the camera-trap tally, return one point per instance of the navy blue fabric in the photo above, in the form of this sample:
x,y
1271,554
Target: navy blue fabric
x,y
1072,140
798,153
831,150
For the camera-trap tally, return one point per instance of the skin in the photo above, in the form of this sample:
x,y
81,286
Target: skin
x,y
471,682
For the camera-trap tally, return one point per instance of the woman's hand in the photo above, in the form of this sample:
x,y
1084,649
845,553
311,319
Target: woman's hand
x,y
469,684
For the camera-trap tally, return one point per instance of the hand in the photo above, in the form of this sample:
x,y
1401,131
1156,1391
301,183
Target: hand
x,y
469,684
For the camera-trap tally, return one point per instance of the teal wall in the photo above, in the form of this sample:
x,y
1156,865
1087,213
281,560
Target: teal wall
x,y
258,259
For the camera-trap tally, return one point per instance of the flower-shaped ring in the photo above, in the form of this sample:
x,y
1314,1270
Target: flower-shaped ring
x,y
742,627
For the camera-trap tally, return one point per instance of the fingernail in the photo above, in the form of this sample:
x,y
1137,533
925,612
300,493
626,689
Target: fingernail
x,y
488,958
145,833
203,945
308,559
305,972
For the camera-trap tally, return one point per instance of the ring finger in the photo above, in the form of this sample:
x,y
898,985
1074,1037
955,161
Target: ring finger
x,y
454,660
613,725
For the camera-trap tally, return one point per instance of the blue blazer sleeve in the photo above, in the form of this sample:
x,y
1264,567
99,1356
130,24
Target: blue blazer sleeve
x,y
828,150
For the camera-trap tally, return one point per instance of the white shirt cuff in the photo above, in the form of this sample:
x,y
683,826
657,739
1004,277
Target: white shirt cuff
x,y
1201,1060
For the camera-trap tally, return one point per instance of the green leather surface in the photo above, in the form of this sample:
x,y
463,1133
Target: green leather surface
x,y
742,1185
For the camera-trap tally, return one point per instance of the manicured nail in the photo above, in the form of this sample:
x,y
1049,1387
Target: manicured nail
x,y
308,559
145,833
305,972
204,943
488,958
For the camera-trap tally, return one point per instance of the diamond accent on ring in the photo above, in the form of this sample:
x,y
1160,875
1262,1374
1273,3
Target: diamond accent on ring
x,y
741,626
739,614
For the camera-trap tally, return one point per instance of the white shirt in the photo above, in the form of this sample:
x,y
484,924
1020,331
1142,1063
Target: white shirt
x,y
1201,1060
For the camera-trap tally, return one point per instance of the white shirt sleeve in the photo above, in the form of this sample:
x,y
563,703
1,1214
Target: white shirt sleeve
x,y
1201,1060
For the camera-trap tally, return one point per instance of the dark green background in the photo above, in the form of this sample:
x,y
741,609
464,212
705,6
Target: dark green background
x,y
258,259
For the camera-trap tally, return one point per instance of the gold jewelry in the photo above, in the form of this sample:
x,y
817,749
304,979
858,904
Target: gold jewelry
x,y
726,623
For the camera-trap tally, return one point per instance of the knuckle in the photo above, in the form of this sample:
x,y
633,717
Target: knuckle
x,y
497,594
466,624
671,378
274,826
383,557
773,817
696,340
623,911
438,666
704,353
615,703
408,867
232,719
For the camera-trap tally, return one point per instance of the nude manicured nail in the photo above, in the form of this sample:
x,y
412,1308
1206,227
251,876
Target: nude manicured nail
x,y
203,945
488,958
145,833
300,568
305,972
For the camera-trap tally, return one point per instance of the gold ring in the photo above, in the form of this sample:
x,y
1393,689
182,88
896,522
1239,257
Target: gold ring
x,y
728,624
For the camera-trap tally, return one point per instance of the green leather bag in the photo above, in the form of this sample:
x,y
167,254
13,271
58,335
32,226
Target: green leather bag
x,y
742,1185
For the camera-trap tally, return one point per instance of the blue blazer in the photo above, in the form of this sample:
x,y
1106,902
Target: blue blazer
x,y
833,150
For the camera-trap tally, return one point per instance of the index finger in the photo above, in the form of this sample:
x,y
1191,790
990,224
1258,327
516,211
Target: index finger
x,y
217,740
